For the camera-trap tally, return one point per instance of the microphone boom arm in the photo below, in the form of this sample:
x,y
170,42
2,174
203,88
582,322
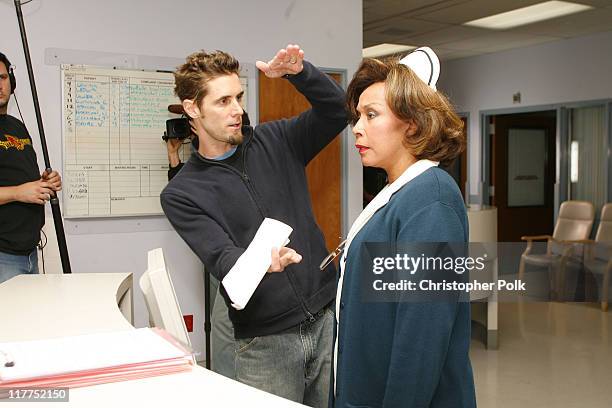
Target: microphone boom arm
x,y
55,208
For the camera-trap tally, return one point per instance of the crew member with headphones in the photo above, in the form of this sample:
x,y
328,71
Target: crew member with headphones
x,y
23,190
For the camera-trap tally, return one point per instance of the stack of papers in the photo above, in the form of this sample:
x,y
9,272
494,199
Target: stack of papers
x,y
248,271
80,361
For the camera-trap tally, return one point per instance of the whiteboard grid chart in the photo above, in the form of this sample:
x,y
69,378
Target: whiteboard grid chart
x,y
115,162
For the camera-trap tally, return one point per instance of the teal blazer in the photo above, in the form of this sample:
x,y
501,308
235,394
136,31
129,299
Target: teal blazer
x,y
405,354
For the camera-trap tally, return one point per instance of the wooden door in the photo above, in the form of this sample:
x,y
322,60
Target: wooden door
x,y
523,174
278,99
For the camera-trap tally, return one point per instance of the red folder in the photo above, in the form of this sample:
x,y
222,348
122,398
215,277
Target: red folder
x,y
80,361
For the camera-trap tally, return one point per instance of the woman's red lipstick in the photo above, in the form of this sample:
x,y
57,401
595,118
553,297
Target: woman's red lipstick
x,y
362,149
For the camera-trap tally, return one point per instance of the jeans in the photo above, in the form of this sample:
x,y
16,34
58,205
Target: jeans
x,y
13,265
293,364
222,336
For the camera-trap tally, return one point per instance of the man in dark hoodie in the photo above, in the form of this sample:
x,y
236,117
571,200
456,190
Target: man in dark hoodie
x,y
241,175
222,331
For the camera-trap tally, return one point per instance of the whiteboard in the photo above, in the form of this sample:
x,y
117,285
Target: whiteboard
x,y
114,160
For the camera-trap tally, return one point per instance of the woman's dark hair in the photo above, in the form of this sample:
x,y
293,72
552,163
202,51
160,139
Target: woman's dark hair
x,y
440,134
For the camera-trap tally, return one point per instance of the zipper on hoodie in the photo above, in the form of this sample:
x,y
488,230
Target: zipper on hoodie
x,y
247,180
301,300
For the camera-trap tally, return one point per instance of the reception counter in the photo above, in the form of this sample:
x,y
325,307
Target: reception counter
x,y
483,228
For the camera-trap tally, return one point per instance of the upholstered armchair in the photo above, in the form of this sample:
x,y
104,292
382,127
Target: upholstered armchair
x,y
598,254
574,223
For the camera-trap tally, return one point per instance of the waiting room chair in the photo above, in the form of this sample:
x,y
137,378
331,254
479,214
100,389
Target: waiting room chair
x,y
598,253
160,298
574,223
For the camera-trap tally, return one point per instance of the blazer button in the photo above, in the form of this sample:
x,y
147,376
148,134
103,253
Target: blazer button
x,y
341,305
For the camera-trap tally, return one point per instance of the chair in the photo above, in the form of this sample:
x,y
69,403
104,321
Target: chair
x,y
598,253
574,223
160,298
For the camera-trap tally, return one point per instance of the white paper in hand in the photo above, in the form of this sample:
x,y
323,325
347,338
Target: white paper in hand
x,y
248,271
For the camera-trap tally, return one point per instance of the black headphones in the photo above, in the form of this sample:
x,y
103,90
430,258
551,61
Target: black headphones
x,y
9,69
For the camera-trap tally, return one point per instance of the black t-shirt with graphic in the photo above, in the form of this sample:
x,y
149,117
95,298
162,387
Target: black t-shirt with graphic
x,y
20,223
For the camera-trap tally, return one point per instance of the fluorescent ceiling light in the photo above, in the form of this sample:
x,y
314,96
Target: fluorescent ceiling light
x,y
528,15
385,49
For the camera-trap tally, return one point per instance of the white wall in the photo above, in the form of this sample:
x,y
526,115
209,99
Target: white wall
x,y
328,31
573,70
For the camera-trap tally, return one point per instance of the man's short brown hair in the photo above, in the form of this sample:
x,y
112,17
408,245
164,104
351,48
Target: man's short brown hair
x,y
200,67
440,134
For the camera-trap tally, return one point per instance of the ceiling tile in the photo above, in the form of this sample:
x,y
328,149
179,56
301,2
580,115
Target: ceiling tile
x,y
474,9
518,43
447,55
503,40
395,7
587,22
406,24
375,39
371,17
398,29
594,3
437,23
447,34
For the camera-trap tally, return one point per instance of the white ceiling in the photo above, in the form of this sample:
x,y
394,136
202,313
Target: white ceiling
x,y
437,23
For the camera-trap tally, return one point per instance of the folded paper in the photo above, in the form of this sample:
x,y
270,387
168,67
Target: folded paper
x,y
242,280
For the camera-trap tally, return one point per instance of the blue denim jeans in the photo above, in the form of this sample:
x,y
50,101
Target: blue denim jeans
x,y
294,364
13,265
222,336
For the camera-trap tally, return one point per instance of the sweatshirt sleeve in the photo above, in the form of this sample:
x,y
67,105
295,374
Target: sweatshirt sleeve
x,y
206,238
308,133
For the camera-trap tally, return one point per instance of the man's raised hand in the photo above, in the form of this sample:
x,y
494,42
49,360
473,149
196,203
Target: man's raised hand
x,y
287,61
